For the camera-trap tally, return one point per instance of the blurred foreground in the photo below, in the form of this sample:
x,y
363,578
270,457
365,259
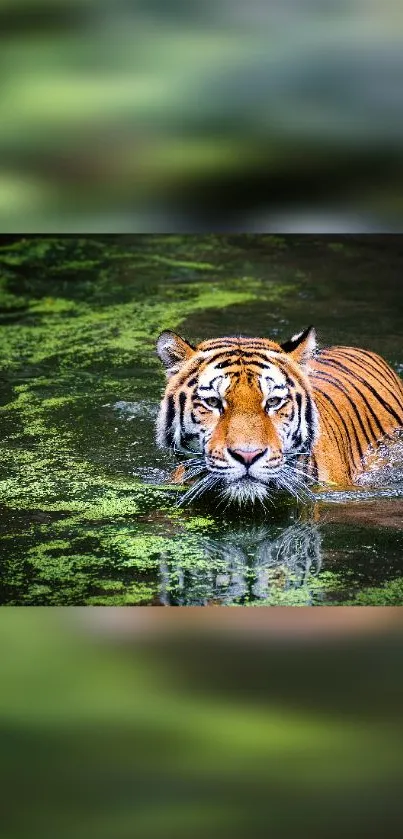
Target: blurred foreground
x,y
134,116
207,723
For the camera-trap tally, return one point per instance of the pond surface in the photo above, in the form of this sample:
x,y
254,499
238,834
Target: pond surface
x,y
88,513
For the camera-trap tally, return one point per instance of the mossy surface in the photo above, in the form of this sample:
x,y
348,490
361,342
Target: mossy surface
x,y
79,322
88,513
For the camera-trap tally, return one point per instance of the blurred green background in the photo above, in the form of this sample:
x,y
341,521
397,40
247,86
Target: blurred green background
x,y
117,724
127,115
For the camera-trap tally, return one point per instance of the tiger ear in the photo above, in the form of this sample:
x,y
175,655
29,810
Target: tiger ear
x,y
301,346
173,350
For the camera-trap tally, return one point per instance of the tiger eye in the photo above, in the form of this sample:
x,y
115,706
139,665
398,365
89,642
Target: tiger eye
x,y
213,402
273,402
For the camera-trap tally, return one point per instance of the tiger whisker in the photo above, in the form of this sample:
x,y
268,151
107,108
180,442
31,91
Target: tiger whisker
x,y
305,475
223,497
198,489
300,487
180,451
291,482
296,471
193,464
193,473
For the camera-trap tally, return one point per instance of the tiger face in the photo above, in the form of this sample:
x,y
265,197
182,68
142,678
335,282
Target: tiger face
x,y
243,408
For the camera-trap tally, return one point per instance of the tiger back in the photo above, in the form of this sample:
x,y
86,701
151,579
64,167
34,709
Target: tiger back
x,y
360,401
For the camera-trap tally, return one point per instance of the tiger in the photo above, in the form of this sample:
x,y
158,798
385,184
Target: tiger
x,y
252,416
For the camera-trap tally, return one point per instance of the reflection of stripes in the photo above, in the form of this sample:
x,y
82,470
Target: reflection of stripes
x,y
244,566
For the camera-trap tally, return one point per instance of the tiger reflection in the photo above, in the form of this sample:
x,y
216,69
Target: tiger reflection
x,y
249,566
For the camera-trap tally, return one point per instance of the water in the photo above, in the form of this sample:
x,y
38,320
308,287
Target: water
x,y
89,515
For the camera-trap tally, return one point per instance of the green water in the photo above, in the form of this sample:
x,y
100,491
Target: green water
x,y
88,515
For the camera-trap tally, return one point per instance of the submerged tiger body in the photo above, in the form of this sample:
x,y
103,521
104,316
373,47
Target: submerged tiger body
x,y
257,415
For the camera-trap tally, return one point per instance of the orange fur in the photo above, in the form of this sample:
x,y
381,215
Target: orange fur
x,y
349,400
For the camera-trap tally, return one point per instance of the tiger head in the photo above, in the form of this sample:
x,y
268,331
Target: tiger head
x,y
243,407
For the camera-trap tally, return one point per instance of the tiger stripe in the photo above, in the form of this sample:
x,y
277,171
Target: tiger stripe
x,y
335,363
380,382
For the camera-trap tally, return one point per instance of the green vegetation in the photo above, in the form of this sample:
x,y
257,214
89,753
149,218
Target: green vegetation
x,y
390,594
80,318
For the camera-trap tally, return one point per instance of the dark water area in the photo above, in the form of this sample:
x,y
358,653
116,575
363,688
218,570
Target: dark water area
x,y
88,512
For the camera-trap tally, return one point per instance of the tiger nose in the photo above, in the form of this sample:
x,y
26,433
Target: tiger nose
x,y
247,456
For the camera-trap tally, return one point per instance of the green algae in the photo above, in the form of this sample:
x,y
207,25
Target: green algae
x,y
389,594
311,593
89,311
